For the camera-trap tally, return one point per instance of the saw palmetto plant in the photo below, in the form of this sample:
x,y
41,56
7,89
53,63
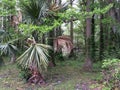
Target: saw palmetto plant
x,y
36,55
35,58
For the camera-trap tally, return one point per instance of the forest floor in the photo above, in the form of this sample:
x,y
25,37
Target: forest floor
x,y
67,75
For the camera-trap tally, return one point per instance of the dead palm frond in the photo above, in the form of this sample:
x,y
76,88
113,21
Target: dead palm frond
x,y
63,43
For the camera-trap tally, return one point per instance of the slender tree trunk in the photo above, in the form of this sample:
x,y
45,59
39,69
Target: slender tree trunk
x,y
118,20
1,61
93,36
58,31
71,31
2,25
51,52
118,13
113,29
93,39
103,35
88,60
71,24
71,35
43,39
101,49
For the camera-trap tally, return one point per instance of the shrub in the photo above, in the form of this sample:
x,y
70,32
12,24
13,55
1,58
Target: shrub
x,y
111,72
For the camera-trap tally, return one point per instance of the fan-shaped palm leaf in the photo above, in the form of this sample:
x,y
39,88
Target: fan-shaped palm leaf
x,y
7,48
5,43
35,55
35,9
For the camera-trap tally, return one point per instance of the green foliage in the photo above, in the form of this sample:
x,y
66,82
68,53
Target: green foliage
x,y
59,56
8,49
24,73
6,44
83,14
35,55
111,73
110,63
113,65
29,28
34,9
7,7
54,20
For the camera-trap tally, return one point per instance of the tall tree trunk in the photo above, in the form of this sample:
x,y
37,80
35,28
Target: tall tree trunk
x,y
93,35
93,38
58,31
101,49
2,26
118,12
51,52
71,24
43,39
71,31
2,19
113,29
88,60
1,61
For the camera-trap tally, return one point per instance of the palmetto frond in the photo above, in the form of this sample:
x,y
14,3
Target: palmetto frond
x,y
35,9
36,55
7,48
